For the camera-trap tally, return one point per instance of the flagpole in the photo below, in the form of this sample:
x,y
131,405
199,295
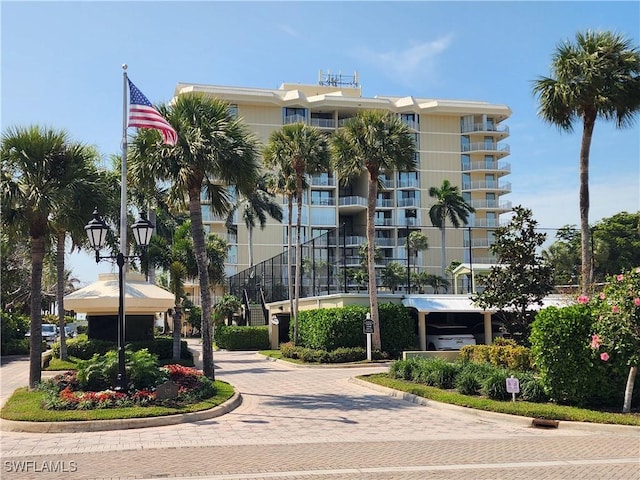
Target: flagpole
x,y
121,258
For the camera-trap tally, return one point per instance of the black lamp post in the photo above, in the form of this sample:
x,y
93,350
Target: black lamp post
x,y
97,232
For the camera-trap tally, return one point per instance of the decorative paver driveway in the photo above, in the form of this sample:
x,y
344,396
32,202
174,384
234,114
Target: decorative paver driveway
x,y
308,423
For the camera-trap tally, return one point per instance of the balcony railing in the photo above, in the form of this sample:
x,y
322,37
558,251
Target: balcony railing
x,y
289,119
491,166
353,200
387,222
384,203
486,146
408,183
484,204
485,127
487,185
357,240
408,202
323,201
385,182
322,181
409,222
323,122
385,242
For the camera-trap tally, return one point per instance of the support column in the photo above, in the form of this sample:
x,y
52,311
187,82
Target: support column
x,y
422,330
488,338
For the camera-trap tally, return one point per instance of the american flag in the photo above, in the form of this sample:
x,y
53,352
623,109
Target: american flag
x,y
143,115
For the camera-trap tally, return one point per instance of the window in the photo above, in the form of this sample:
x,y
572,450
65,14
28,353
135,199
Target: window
x,y
466,161
466,181
488,143
491,219
489,161
408,179
490,180
322,197
465,143
412,120
294,115
233,110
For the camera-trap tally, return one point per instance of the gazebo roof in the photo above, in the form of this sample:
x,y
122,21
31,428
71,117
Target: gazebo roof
x,y
102,297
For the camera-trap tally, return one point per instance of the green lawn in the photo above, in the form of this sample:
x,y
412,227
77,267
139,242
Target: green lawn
x,y
548,411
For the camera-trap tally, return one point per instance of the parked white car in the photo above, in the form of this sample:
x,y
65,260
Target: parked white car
x,y
448,337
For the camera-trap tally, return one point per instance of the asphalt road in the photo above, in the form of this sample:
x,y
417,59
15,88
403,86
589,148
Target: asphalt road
x,y
315,423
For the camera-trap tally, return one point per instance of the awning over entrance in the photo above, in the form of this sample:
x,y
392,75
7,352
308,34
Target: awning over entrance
x,y
441,303
102,297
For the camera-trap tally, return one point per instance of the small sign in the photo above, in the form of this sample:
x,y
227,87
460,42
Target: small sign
x,y
368,326
167,390
513,385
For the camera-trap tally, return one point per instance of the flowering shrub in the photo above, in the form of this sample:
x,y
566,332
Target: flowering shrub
x,y
64,391
617,313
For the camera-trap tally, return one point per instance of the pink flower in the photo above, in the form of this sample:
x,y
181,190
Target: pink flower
x,y
602,296
615,309
604,356
583,299
636,301
620,277
595,341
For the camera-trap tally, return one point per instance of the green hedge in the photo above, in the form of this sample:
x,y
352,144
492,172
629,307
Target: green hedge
x,y
242,338
502,353
569,368
339,355
332,328
12,334
84,348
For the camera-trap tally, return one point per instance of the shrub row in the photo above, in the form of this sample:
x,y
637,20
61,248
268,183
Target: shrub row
x,y
501,353
469,378
339,355
84,348
242,338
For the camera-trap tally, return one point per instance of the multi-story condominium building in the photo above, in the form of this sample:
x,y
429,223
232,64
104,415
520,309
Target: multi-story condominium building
x,y
457,140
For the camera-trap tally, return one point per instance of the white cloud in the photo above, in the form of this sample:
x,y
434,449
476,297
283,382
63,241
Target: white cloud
x,y
416,60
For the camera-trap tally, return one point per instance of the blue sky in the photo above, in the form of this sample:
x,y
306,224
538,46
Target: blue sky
x,y
61,66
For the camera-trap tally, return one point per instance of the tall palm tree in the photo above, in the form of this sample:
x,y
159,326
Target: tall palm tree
x,y
283,181
177,275
306,150
449,205
255,207
597,76
372,142
214,150
41,169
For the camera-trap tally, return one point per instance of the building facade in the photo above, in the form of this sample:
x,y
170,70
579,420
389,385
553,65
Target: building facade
x,y
460,141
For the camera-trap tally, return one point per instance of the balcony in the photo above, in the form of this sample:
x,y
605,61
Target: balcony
x,y
504,187
352,204
484,223
323,122
354,240
327,202
289,119
384,203
408,183
385,182
384,242
383,222
409,222
412,124
322,181
489,147
408,202
503,168
491,205
485,127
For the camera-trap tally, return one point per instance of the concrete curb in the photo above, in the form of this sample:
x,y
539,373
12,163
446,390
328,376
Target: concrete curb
x,y
120,424
494,416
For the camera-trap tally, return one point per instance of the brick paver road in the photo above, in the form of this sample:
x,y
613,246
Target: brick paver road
x,y
314,423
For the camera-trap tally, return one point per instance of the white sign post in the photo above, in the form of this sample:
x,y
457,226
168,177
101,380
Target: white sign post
x,y
513,387
368,330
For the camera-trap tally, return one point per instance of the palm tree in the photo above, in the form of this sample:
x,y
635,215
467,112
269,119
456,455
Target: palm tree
x,y
449,205
416,242
372,142
597,76
256,206
177,275
306,151
214,150
41,170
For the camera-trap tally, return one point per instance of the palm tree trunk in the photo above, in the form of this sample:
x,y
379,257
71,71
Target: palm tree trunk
x,y
628,391
177,314
585,244
151,271
250,246
289,259
371,265
197,232
444,249
298,258
35,344
60,292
